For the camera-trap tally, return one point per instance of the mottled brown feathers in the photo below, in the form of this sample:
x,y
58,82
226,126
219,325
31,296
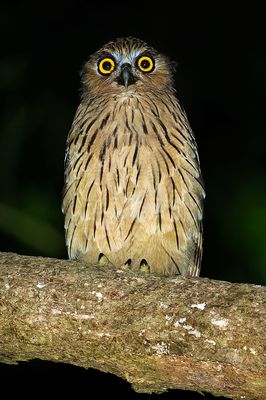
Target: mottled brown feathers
x,y
133,187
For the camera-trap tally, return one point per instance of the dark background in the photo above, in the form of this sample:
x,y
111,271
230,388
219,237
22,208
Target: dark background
x,y
221,80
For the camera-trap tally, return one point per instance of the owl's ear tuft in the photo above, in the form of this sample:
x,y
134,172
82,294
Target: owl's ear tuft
x,y
84,78
84,70
173,65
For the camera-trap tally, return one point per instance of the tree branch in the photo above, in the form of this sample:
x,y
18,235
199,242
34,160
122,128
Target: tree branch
x,y
156,332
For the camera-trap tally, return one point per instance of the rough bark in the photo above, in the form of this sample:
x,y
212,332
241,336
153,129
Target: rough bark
x,y
156,332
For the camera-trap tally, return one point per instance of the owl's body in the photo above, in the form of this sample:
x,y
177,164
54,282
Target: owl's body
x,y
133,188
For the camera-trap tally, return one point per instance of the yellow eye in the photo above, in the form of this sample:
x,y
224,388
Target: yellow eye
x,y
145,63
106,66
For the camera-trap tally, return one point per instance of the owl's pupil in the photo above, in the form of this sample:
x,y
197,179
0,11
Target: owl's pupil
x,y
145,64
107,65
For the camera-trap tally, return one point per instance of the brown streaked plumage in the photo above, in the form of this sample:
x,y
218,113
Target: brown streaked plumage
x,y
133,189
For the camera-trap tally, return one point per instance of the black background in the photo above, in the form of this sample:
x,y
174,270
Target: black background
x,y
221,54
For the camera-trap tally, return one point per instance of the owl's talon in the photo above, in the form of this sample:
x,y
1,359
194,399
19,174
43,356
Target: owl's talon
x,y
144,267
103,260
126,265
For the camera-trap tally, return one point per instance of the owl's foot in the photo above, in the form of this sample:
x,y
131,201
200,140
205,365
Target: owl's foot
x,y
143,266
126,265
103,260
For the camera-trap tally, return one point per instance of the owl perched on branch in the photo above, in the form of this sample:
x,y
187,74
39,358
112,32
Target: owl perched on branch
x,y
133,189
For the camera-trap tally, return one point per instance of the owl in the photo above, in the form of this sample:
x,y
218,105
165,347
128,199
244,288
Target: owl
x,y
133,194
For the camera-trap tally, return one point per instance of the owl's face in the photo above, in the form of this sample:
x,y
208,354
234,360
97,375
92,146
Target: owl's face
x,y
126,66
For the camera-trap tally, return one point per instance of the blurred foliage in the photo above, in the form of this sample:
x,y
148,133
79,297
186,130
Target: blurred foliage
x,y
220,80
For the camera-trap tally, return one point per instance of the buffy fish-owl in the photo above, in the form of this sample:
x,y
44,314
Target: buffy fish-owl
x,y
133,194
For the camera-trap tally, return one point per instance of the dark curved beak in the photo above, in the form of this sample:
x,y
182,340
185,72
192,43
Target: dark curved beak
x,y
126,76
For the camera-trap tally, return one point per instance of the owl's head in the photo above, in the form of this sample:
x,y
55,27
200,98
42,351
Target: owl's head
x,y
126,66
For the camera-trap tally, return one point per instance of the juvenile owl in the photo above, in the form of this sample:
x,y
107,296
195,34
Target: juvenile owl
x,y
133,189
